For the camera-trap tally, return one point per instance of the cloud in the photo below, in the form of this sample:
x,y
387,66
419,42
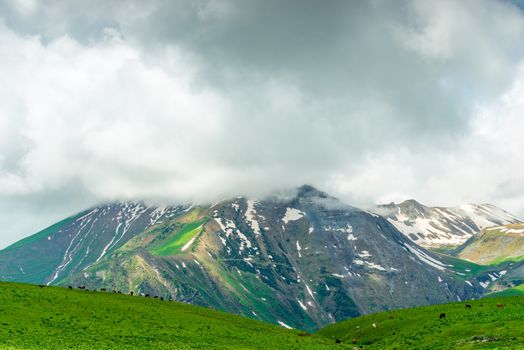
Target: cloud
x,y
197,101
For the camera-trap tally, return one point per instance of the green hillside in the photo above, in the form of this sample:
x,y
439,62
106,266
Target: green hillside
x,y
59,318
483,326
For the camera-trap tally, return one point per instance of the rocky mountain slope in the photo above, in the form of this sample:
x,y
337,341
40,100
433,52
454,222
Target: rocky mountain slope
x,y
78,242
435,227
494,245
305,262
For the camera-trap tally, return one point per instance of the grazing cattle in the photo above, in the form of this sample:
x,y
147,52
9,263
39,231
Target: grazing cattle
x,y
69,287
131,293
41,285
442,315
337,341
500,306
161,298
103,289
147,295
468,306
119,292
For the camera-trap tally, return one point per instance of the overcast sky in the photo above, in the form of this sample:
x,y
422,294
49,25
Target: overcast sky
x,y
169,101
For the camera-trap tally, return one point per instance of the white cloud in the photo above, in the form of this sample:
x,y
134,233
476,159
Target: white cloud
x,y
126,102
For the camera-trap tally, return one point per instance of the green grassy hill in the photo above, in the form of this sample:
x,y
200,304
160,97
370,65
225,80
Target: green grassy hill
x,y
59,318
483,326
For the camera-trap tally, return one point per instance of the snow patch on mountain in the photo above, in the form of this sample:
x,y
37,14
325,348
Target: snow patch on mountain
x,y
440,226
250,216
425,257
292,214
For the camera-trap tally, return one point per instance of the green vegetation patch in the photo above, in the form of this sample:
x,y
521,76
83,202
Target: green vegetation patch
x,y
487,324
465,269
504,259
59,318
176,241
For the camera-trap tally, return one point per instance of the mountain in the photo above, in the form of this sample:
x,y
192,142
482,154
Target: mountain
x,y
78,242
494,245
435,227
305,261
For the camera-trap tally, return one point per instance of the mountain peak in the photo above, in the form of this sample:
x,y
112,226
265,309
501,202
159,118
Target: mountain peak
x,y
308,191
410,203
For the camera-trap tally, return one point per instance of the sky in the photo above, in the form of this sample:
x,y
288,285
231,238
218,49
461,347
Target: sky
x,y
196,101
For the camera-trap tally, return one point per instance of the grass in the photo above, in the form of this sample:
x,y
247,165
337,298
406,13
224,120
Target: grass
x,y
59,318
483,326
176,241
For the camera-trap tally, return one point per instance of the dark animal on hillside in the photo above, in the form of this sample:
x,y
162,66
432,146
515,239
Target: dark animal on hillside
x,y
161,298
103,289
500,306
41,285
468,306
442,315
131,293
147,295
337,341
69,287
81,287
119,292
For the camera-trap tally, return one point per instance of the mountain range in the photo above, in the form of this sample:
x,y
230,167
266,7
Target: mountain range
x,y
435,227
303,262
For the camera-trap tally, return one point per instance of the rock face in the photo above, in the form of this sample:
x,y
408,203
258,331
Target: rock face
x,y
305,261
435,227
